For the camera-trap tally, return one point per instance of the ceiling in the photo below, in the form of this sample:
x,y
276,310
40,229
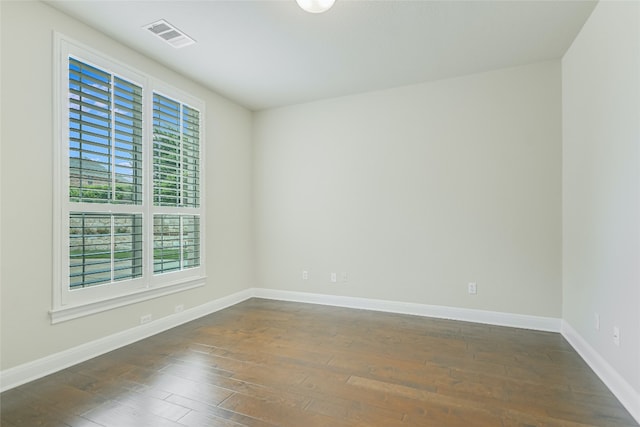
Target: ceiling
x,y
270,53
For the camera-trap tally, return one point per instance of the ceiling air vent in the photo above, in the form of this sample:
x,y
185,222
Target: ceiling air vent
x,y
170,34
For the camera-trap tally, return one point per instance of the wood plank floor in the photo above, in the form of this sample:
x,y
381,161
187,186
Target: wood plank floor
x,y
270,363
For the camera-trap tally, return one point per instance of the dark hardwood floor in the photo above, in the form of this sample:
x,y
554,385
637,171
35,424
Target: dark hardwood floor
x,y
269,363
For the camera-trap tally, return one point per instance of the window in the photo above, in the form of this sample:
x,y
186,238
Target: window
x,y
176,184
127,186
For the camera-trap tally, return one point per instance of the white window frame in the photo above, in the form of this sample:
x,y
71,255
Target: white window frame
x,y
69,304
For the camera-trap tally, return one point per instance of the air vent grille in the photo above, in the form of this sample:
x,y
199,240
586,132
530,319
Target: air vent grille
x,y
170,34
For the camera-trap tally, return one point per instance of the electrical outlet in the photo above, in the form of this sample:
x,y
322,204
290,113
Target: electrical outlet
x,y
334,277
616,335
344,276
145,319
305,275
472,288
597,324
178,308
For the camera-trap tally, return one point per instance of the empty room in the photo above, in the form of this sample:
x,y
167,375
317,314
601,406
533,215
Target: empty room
x,y
295,213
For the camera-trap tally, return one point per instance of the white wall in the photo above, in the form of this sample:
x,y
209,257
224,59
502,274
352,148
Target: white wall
x,y
416,191
601,185
26,169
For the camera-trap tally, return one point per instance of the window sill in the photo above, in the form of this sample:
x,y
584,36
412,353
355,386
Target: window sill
x,y
63,314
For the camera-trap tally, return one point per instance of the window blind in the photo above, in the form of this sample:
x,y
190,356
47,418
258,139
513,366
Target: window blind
x,y
176,184
105,167
104,248
176,242
105,137
176,153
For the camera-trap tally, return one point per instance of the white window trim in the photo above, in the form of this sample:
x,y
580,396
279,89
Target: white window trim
x,y
67,304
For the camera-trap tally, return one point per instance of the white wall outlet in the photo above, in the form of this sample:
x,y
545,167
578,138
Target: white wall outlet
x,y
597,324
344,276
145,319
334,277
472,288
616,335
178,308
305,275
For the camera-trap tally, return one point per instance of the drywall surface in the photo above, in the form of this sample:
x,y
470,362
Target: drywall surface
x,y
414,192
27,205
601,184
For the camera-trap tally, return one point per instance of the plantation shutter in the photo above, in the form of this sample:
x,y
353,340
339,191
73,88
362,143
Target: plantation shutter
x,y
104,248
105,168
105,137
176,240
190,157
176,184
176,153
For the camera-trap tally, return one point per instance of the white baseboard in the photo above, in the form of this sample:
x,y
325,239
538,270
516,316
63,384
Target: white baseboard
x,y
549,324
30,371
625,393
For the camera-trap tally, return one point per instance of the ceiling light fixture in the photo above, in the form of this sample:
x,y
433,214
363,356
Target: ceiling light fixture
x,y
315,6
